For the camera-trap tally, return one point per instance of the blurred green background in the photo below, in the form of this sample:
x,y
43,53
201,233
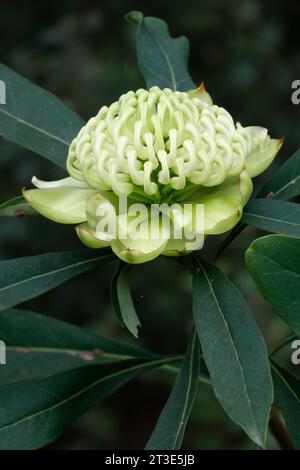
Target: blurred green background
x,y
247,53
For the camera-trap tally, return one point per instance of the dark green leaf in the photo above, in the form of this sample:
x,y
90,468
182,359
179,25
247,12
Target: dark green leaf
x,y
32,330
169,431
22,279
122,300
285,183
39,346
287,395
274,262
34,412
273,215
23,364
162,60
36,119
233,349
16,207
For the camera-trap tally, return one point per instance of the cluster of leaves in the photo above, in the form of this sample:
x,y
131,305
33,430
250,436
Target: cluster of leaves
x,y
68,368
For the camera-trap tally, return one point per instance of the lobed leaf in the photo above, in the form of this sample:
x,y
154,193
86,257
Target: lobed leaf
x,y
162,59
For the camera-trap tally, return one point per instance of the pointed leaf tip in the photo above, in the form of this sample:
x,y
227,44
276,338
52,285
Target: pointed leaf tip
x,y
134,17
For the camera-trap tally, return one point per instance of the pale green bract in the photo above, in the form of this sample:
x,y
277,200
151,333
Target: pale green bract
x,y
153,147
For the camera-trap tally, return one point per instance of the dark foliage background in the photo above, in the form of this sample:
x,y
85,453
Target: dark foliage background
x,y
247,53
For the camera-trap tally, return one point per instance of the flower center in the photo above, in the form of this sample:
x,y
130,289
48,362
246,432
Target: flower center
x,y
153,144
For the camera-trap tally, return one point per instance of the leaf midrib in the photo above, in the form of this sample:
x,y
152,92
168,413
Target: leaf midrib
x,y
67,351
165,55
233,346
273,261
265,217
187,396
290,183
85,389
32,126
50,273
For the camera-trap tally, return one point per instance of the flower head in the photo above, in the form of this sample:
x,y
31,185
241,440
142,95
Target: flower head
x,y
156,147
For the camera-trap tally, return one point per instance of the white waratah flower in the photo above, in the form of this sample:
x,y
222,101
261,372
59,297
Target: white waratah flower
x,y
156,146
